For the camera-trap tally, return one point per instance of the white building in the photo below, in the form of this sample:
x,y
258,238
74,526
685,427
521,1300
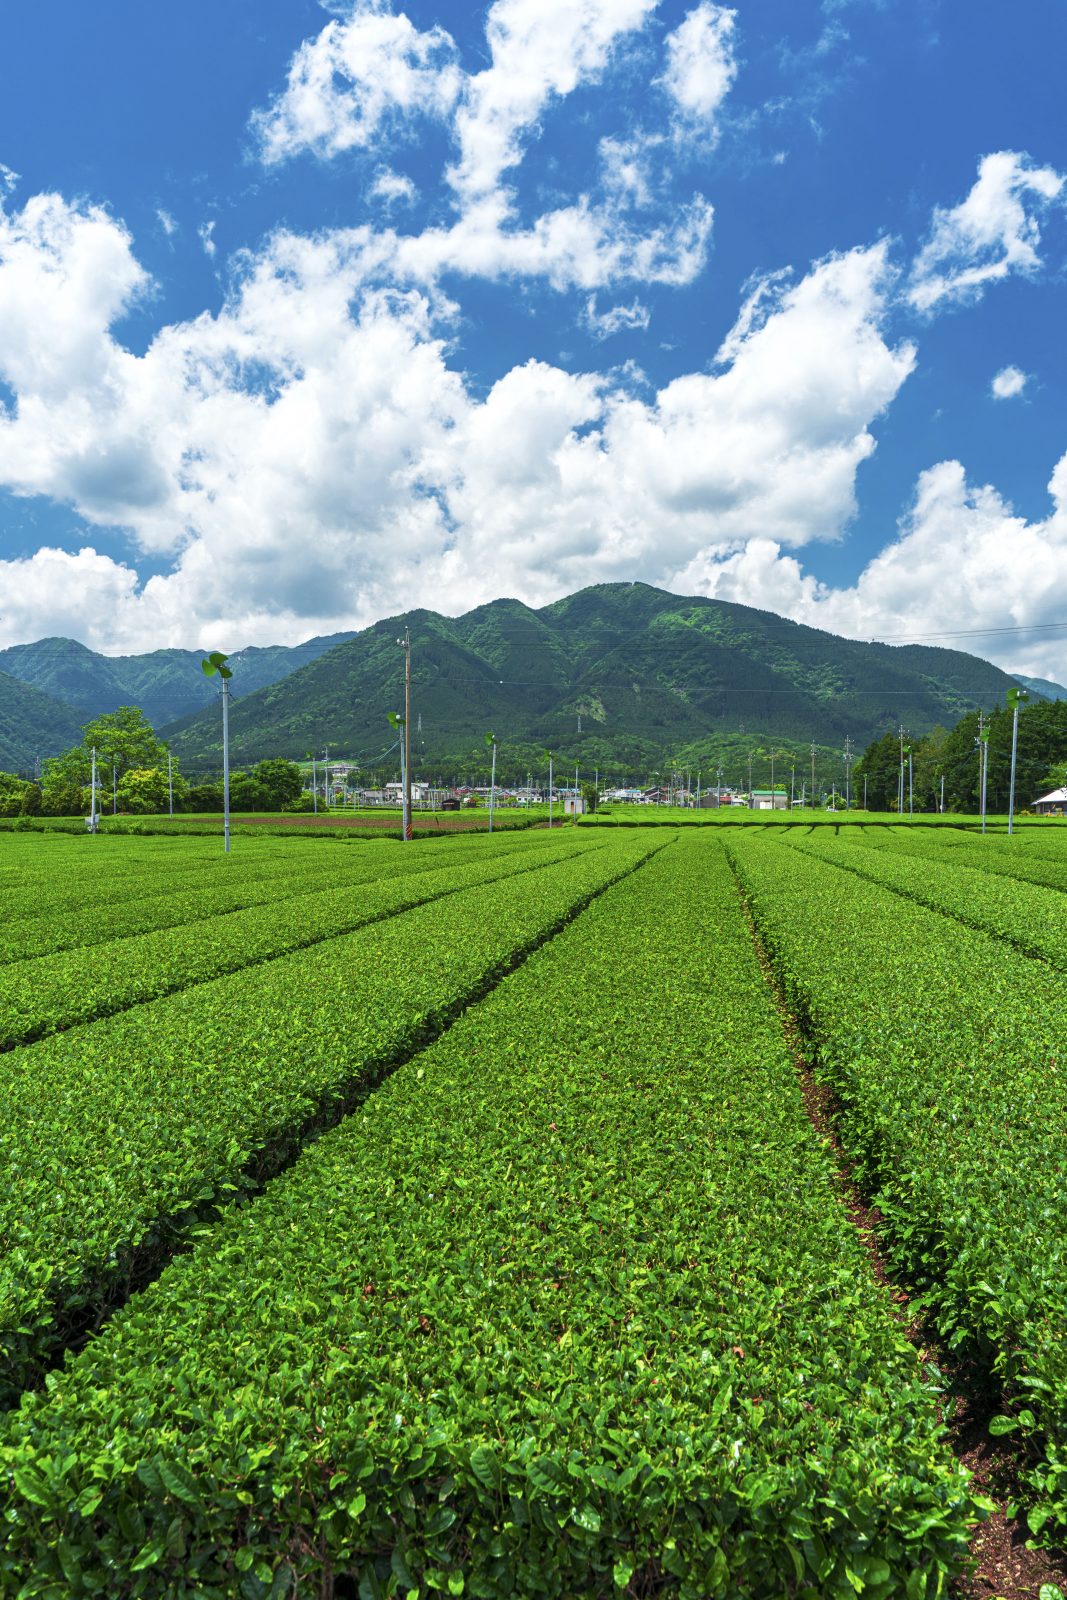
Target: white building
x,y
1051,805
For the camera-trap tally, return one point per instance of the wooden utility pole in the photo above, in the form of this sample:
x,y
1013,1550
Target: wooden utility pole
x,y
407,734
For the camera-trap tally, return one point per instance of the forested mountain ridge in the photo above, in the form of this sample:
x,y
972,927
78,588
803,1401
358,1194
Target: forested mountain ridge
x,y
618,675
32,725
166,684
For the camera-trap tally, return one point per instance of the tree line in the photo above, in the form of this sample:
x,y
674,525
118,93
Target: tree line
x,y
134,777
952,754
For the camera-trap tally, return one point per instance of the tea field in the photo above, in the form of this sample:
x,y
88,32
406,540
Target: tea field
x,y
449,1218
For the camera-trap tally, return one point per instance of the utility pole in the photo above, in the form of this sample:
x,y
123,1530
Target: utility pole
x,y
751,797
550,788
170,781
942,794
792,782
213,663
813,773
982,742
900,784
326,775
314,786
864,791
848,773
911,786
1014,697
406,733
92,795
114,789
490,740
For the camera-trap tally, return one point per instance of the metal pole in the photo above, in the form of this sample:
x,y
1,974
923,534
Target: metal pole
x,y
865,791
492,788
550,791
848,773
983,752
314,786
942,794
403,787
1014,696
407,734
170,781
813,772
226,764
114,790
911,787
92,795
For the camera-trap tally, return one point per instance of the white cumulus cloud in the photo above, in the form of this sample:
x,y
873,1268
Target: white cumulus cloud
x,y
701,65
348,81
995,231
309,458
539,50
1008,382
616,319
958,540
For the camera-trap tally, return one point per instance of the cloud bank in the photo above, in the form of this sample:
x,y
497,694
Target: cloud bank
x,y
312,456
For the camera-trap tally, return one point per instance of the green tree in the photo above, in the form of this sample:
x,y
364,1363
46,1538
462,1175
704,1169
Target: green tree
x,y
282,781
203,797
145,791
62,774
880,765
930,763
124,739
65,800
12,790
31,801
248,794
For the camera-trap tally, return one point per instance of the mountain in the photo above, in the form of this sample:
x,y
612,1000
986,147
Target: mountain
x,y
32,724
1045,687
166,684
647,675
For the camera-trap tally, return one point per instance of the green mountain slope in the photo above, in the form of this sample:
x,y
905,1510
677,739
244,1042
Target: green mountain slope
x,y
648,675
166,684
32,724
1045,687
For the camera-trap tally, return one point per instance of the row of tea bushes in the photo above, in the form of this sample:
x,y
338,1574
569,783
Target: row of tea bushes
x,y
1027,915
50,993
569,1307
159,898
117,1137
945,1053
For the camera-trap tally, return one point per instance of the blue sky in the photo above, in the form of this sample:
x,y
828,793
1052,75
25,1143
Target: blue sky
x,y
311,313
